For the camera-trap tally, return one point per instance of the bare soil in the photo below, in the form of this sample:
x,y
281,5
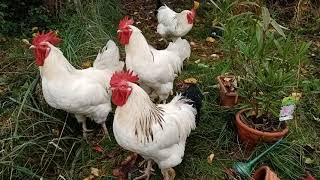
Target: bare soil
x,y
265,123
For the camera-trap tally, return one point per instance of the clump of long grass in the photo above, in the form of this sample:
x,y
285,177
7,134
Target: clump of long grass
x,y
38,141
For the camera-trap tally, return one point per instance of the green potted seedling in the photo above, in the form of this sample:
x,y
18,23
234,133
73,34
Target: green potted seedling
x,y
268,70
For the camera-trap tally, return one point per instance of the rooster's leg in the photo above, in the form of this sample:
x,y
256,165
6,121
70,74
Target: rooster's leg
x,y
82,119
168,174
147,172
105,130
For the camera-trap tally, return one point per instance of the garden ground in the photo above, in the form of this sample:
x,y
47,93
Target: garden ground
x,y
38,141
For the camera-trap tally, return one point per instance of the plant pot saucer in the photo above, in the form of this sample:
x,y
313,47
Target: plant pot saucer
x,y
251,137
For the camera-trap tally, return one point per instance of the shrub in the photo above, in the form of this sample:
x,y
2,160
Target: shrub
x,y
19,16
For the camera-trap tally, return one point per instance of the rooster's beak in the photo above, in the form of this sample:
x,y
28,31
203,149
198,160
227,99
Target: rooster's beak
x,y
32,47
119,31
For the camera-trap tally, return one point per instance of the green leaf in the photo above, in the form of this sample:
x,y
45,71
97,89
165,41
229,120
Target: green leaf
x,y
259,35
277,27
265,18
216,5
279,47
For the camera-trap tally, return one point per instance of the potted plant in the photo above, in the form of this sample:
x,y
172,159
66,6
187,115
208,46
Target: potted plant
x,y
265,173
227,90
268,65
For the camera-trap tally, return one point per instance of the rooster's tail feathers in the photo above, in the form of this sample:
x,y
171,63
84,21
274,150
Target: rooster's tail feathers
x,y
195,97
187,117
108,58
182,47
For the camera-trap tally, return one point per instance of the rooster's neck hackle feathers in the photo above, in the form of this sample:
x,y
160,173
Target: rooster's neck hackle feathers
x,y
141,113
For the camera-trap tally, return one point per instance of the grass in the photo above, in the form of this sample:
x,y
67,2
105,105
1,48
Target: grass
x,y
38,141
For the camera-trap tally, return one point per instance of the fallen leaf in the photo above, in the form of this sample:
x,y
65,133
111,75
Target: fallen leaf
x,y
86,64
192,43
89,177
26,42
196,4
98,148
95,171
34,29
216,56
210,39
210,158
308,161
296,95
227,79
125,167
190,81
197,61
56,132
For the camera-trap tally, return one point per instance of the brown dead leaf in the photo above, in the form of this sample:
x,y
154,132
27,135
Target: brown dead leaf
x,y
26,42
90,177
55,132
227,79
95,171
296,95
210,39
98,148
210,158
190,81
34,29
215,56
125,167
86,64
196,4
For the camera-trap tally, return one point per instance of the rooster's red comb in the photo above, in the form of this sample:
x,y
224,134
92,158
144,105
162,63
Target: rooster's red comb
x,y
50,37
125,22
123,76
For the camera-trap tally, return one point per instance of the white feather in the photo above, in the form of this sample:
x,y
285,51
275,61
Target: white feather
x,y
108,58
156,68
169,137
172,24
82,92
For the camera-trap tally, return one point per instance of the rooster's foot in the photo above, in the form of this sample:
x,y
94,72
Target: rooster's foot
x,y
85,130
168,174
147,172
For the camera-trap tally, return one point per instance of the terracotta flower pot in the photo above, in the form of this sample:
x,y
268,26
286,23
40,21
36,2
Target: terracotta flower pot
x,y
251,137
265,173
227,99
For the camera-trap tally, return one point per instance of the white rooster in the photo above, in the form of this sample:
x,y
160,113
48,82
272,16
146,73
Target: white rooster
x,y
172,24
157,132
81,92
156,68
